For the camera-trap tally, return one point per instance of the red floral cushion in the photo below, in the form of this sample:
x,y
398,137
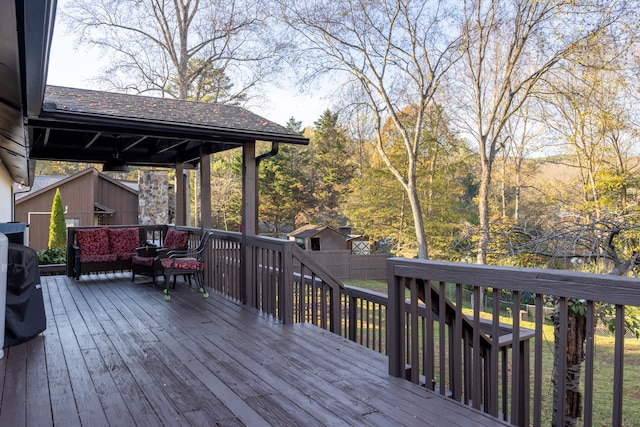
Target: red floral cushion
x,y
98,258
175,239
94,241
142,260
126,257
182,263
124,241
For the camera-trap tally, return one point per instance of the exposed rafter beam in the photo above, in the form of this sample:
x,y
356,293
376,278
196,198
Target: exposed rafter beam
x,y
174,145
46,137
133,144
90,143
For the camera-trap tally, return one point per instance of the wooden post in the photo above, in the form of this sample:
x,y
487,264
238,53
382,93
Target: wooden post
x,y
286,285
180,196
395,323
205,190
249,221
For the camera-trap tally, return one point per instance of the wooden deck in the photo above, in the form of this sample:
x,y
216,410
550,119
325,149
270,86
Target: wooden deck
x,y
115,353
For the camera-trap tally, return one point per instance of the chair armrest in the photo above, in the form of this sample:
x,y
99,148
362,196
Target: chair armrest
x,y
163,252
179,253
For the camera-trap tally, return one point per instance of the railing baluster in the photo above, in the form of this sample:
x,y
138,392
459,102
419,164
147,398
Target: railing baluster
x,y
368,328
588,365
415,357
618,367
353,315
495,353
537,374
429,345
562,359
476,394
456,375
517,385
505,386
442,338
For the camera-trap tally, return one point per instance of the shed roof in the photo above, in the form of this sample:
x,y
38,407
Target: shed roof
x,y
307,231
39,183
51,183
311,230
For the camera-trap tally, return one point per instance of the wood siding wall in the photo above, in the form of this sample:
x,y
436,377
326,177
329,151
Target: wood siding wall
x,y
79,196
124,202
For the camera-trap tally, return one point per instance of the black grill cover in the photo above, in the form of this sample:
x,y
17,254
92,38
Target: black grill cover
x,y
25,317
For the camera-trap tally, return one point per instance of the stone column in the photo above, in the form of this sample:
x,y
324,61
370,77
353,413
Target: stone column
x,y
153,197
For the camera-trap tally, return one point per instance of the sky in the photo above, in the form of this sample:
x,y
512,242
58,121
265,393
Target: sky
x,y
71,67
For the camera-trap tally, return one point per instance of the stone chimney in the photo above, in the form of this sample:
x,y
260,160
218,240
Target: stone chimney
x,y
153,197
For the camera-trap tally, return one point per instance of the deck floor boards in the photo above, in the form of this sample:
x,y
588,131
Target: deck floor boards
x,y
115,353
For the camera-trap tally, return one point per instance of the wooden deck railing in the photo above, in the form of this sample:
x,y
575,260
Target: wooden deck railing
x,y
458,357
564,286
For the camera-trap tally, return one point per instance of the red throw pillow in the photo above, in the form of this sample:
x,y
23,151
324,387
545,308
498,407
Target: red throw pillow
x,y
175,239
93,241
124,241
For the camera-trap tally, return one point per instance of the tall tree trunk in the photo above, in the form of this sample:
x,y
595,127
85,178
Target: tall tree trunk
x,y
503,187
416,210
483,213
483,210
576,335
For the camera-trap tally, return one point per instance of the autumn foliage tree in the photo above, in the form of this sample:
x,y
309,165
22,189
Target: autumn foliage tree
x,y
396,54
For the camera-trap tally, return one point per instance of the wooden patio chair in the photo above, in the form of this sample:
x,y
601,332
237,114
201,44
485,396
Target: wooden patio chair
x,y
186,263
146,262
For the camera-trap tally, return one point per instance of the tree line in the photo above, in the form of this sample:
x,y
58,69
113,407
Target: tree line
x,y
446,115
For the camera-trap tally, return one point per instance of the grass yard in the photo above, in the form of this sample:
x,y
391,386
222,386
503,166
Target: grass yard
x,y
603,372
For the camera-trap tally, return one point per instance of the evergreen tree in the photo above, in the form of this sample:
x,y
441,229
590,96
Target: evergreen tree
x,y
283,189
331,170
57,225
294,125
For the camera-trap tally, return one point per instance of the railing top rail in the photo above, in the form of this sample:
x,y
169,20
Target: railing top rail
x,y
562,283
270,243
316,267
366,294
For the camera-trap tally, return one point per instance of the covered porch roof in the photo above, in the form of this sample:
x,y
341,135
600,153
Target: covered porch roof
x,y
89,125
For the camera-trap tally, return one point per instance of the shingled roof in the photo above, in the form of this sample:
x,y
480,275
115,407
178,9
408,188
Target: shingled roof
x,y
158,109
88,125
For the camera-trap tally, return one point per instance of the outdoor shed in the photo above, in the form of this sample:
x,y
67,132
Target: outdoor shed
x,y
89,197
315,237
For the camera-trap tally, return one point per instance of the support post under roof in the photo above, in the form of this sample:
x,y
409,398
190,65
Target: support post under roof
x,y
205,190
180,195
249,222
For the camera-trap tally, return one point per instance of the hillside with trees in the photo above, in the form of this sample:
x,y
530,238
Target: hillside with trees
x,y
481,131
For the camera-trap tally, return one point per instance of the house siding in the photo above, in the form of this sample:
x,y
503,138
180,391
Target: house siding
x,y
78,195
125,203
6,195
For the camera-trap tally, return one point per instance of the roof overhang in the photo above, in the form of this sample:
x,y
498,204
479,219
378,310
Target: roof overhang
x,y
99,209
26,29
89,126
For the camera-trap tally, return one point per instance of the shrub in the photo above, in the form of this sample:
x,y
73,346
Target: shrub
x,y
57,226
52,256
